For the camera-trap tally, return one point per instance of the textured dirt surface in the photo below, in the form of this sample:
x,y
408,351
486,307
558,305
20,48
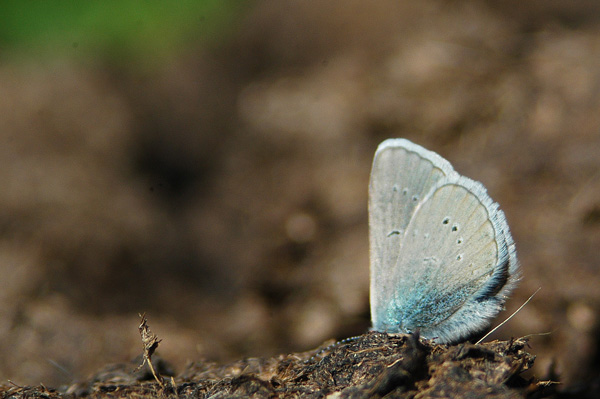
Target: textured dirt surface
x,y
226,195
370,366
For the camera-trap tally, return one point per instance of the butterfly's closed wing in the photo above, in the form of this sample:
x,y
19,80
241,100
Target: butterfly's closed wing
x,y
402,174
452,265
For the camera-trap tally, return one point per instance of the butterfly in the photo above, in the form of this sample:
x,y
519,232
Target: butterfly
x,y
443,261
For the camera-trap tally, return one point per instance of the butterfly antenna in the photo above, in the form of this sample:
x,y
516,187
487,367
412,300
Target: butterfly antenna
x,y
509,317
330,347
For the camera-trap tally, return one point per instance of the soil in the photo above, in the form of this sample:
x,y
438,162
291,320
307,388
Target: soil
x,y
370,366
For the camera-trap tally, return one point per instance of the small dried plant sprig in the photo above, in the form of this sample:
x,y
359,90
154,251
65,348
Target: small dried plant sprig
x,y
150,342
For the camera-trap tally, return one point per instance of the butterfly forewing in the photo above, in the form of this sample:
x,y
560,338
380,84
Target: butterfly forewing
x,y
402,174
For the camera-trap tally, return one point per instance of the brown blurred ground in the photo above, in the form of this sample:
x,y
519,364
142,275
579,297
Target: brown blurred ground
x,y
226,195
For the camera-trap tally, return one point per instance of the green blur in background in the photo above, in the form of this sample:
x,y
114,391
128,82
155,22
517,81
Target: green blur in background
x,y
115,31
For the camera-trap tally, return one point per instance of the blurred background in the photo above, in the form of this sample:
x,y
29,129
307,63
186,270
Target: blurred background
x,y
207,162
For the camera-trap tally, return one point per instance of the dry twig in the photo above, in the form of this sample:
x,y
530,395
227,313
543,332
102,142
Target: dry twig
x,y
150,342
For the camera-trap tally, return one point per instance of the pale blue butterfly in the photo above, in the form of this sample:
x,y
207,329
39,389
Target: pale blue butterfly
x,y
442,258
